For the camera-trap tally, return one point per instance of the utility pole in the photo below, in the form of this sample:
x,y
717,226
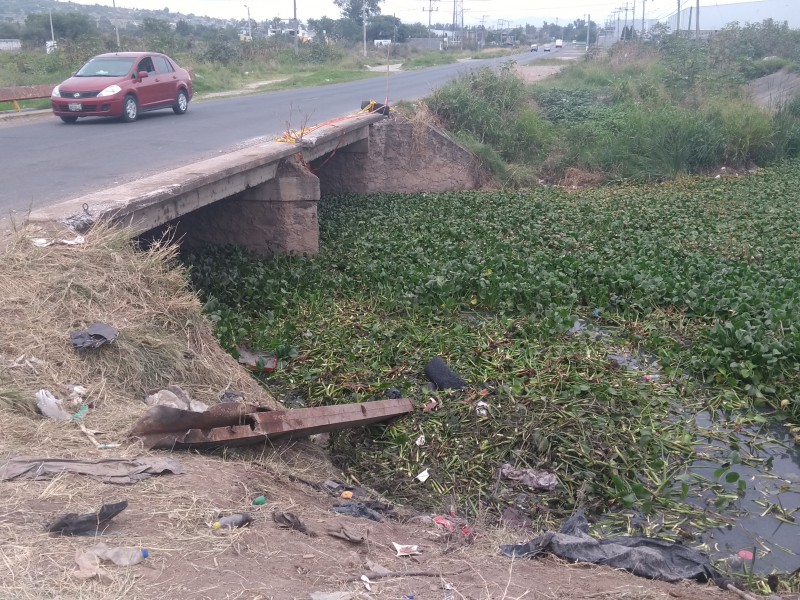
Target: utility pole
x,y
689,26
364,25
296,28
633,20
116,28
643,3
430,10
588,31
678,20
697,21
626,20
249,27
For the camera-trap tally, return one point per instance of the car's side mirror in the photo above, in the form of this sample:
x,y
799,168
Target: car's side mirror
x,y
142,74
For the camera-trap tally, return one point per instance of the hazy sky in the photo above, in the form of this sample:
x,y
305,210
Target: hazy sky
x,y
412,10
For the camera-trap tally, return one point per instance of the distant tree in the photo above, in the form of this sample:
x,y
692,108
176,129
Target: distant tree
x,y
66,26
354,9
384,27
10,31
183,29
325,24
416,30
158,36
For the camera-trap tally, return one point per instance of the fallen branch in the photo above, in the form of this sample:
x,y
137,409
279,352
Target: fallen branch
x,y
741,593
390,574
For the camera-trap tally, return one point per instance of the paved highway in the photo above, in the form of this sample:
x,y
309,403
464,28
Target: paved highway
x,y
45,161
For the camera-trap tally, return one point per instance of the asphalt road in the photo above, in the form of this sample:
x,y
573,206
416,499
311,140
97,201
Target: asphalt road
x,y
45,161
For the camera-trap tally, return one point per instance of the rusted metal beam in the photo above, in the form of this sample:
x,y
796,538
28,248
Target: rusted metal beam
x,y
166,427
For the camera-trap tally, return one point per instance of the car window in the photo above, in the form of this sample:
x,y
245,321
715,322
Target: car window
x,y
146,64
162,65
106,67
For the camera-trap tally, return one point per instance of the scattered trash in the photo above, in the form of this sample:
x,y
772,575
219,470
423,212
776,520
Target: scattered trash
x,y
77,394
423,477
514,517
89,560
332,595
81,413
91,524
538,480
445,523
337,488
406,550
481,408
443,378
174,396
409,597
93,336
233,423
745,555
289,520
367,583
358,509
51,407
645,557
376,568
33,363
91,433
232,521
107,470
231,396
261,362
259,501
45,242
430,406
420,440
347,495
394,393
348,534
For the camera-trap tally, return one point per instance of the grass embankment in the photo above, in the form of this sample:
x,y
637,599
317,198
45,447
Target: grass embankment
x,y
644,113
702,274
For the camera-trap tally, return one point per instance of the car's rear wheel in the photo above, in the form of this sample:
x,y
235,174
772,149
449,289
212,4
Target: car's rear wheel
x,y
181,103
69,119
130,109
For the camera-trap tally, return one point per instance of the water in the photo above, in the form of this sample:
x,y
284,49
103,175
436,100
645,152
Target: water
x,y
763,512
771,497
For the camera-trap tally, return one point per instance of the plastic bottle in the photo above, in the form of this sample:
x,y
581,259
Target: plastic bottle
x,y
259,501
237,520
124,556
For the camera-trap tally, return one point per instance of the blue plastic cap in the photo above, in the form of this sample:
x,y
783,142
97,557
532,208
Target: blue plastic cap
x,y
145,553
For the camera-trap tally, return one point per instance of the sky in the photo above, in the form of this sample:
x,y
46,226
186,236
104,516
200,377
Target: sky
x,y
410,11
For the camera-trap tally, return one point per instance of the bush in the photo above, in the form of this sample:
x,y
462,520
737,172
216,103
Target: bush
x,y
495,110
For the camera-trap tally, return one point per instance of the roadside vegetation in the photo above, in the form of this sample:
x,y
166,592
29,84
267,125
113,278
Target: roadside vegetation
x,y
645,111
695,283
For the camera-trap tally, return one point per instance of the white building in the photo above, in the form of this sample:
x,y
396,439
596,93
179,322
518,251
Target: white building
x,y
10,45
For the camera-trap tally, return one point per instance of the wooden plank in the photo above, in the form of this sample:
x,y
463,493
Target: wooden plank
x,y
259,427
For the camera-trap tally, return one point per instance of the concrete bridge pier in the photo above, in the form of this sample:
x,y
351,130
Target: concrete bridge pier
x,y
278,216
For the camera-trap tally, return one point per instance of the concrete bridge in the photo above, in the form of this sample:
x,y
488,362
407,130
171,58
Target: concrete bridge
x,y
264,197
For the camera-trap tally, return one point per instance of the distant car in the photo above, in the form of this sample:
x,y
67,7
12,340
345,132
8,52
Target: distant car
x,y
534,47
559,43
546,48
123,84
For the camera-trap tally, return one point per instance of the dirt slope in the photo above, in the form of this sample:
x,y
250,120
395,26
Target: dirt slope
x,y
47,292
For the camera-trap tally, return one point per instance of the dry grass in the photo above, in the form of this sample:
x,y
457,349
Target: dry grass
x,y
44,294
164,339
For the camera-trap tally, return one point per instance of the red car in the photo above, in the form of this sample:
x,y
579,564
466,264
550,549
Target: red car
x,y
123,84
